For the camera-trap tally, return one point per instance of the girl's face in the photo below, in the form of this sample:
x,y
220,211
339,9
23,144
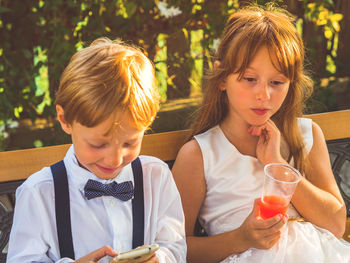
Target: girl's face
x,y
103,150
259,94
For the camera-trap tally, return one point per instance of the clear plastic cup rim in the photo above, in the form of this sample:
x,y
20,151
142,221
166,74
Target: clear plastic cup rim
x,y
284,165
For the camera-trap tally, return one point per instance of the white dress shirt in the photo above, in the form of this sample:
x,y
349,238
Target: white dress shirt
x,y
100,221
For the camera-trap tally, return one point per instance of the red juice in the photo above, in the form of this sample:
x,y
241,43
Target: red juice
x,y
272,205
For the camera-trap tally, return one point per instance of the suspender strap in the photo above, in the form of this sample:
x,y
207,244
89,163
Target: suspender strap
x,y
62,206
138,212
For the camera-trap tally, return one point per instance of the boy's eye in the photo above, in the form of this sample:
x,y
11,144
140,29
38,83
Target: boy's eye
x,y
128,144
98,146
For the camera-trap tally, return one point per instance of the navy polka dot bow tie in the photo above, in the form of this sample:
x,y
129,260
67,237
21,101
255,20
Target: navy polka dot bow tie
x,y
123,191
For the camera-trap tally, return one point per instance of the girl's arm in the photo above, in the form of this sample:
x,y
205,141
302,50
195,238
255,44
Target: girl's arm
x,y
189,177
317,197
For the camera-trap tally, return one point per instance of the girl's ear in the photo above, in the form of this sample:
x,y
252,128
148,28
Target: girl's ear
x,y
222,83
66,127
222,86
216,64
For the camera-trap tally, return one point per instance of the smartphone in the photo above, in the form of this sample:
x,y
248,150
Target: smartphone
x,y
136,255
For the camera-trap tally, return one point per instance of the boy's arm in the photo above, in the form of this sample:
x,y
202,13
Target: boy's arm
x,y
169,224
32,228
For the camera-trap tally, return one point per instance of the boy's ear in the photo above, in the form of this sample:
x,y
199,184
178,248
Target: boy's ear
x,y
66,127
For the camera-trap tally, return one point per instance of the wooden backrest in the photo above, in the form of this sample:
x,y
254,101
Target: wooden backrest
x,y
19,164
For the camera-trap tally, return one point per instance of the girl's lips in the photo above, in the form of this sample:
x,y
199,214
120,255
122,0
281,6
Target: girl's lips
x,y
260,111
106,170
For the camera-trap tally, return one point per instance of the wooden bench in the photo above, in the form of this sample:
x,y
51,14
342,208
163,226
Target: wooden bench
x,y
16,166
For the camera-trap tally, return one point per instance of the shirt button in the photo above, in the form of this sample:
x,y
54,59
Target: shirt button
x,y
112,203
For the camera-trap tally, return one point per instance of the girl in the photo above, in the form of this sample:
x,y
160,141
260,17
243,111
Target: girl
x,y
250,116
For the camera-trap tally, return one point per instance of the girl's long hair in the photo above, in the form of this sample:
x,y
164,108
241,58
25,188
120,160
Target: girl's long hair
x,y
247,31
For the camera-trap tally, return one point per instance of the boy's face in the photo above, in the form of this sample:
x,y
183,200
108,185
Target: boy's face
x,y
106,148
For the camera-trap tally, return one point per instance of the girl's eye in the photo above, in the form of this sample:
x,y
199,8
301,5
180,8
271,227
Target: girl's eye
x,y
249,79
277,83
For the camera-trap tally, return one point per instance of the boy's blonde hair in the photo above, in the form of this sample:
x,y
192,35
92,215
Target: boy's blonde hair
x,y
246,32
106,78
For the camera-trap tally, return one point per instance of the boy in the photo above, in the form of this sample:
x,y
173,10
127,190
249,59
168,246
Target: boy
x,y
106,100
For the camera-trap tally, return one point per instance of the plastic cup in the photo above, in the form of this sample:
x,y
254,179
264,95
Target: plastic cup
x,y
280,182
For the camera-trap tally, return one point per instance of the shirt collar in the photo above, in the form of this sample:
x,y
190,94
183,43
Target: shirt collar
x,y
79,175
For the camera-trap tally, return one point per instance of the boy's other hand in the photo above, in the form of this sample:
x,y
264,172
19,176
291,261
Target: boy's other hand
x,y
152,259
96,255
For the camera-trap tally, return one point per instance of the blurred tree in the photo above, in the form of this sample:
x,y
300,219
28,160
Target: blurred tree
x,y
18,34
343,53
179,68
316,48
58,20
38,37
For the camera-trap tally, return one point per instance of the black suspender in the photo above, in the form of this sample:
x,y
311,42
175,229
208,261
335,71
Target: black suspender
x,y
138,212
62,208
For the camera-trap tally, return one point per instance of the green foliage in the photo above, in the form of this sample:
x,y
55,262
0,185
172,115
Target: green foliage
x,y
38,37
321,14
6,127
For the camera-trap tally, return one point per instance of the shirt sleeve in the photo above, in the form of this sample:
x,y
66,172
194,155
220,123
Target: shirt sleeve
x,y
32,237
168,220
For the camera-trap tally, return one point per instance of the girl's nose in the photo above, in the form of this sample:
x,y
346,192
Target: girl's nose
x,y
263,92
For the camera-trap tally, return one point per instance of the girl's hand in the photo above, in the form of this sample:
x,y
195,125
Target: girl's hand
x,y
262,234
96,255
268,147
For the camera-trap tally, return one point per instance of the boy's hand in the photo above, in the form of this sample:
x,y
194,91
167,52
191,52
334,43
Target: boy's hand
x,y
96,255
268,147
153,259
262,234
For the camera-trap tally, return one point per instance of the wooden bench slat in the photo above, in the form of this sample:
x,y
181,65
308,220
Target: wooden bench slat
x,y
18,165
335,125
164,145
346,235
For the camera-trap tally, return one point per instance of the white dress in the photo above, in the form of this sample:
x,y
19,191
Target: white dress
x,y
233,182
